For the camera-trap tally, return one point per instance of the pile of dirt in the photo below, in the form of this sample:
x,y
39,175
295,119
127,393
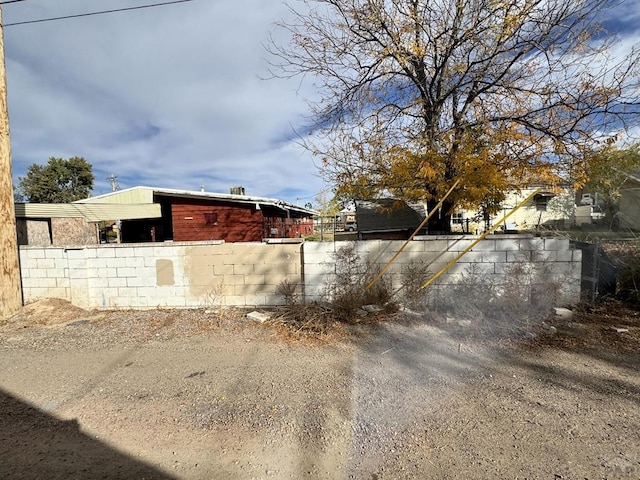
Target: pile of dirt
x,y
50,311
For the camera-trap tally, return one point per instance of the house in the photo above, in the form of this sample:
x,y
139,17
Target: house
x,y
395,219
388,219
629,204
549,207
200,216
63,224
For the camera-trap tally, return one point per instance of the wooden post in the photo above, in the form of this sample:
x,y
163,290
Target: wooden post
x,y
10,288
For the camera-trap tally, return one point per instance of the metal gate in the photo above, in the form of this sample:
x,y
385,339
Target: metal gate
x,y
599,273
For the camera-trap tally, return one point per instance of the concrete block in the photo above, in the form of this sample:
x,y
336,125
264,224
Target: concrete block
x,y
258,280
139,302
507,244
235,301
564,255
55,272
124,251
47,283
127,292
314,248
243,269
143,251
258,316
119,262
63,282
471,257
37,273
27,262
485,245
278,269
116,282
222,270
126,272
61,263
529,244
148,292
105,252
53,253
556,243
432,245
45,263
99,263
260,300
458,244
33,253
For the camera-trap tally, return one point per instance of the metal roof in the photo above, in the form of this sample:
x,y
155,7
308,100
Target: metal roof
x,y
145,194
387,215
92,212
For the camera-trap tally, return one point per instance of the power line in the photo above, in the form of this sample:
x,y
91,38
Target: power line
x,y
92,13
11,1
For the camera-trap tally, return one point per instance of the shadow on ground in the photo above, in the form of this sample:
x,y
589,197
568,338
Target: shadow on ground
x,y
36,445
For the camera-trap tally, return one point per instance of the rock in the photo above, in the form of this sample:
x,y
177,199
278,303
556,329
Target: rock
x,y
258,316
372,308
619,330
563,313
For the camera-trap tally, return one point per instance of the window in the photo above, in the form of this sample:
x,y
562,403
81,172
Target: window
x,y
457,218
211,218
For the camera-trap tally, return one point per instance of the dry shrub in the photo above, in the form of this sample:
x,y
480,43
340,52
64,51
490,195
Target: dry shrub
x,y
349,292
486,307
629,282
413,277
345,295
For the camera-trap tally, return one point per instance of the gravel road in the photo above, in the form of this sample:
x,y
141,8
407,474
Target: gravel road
x,y
190,395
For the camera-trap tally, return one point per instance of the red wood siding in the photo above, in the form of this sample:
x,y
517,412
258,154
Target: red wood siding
x,y
233,222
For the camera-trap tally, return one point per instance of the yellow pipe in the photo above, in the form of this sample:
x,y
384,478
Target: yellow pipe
x,y
424,222
478,240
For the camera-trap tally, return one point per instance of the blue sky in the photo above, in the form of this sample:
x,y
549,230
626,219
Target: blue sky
x,y
167,97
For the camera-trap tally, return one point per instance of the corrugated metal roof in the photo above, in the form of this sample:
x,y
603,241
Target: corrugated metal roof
x,y
145,194
92,212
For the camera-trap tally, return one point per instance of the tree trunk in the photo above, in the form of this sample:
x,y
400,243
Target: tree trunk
x,y
440,222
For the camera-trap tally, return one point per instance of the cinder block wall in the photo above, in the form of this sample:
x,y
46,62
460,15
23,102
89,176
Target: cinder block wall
x,y
493,259
202,274
161,275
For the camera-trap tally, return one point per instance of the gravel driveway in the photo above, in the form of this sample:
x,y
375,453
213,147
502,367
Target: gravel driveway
x,y
188,395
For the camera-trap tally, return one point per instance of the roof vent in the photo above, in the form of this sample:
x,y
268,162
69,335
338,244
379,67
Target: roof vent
x,y
237,190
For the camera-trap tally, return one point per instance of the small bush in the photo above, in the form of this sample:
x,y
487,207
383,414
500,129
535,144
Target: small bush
x,y
629,282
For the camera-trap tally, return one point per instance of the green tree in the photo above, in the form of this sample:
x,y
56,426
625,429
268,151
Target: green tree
x,y
604,172
414,94
59,181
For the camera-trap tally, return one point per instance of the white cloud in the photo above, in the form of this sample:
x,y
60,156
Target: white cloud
x,y
167,96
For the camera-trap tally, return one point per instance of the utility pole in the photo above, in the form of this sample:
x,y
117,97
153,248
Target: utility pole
x,y
10,287
114,182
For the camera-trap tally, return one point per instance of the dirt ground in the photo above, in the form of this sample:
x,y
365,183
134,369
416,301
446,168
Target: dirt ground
x,y
195,395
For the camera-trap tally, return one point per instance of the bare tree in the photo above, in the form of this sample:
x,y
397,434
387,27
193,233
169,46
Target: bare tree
x,y
413,94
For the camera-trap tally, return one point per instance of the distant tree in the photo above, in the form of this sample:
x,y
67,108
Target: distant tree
x,y
415,94
59,181
17,196
605,171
